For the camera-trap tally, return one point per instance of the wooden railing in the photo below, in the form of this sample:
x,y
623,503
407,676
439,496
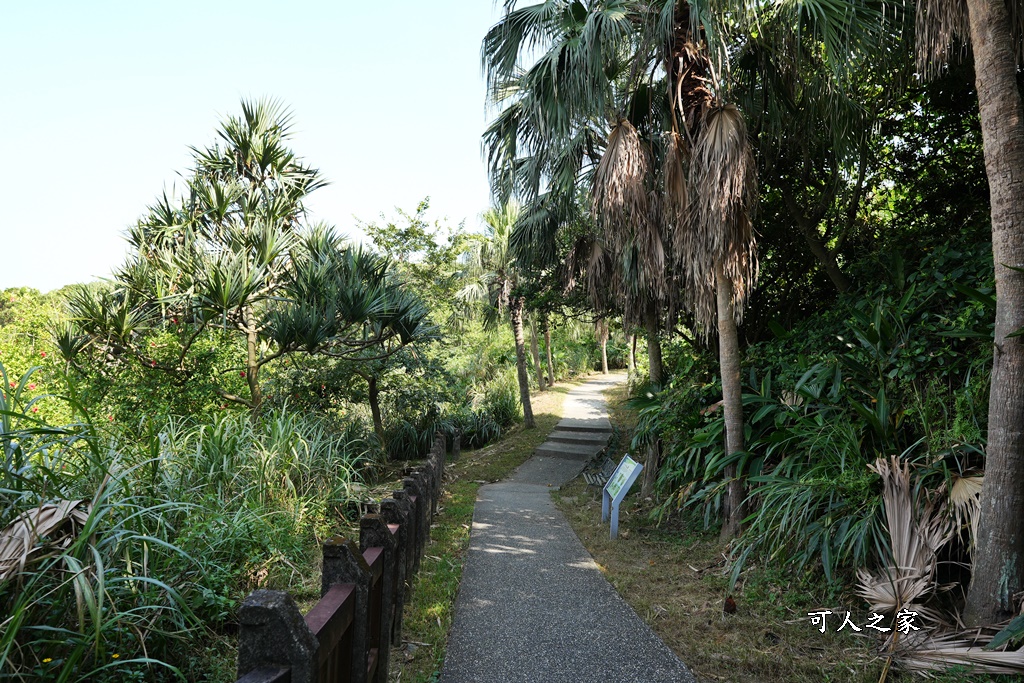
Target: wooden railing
x,y
347,636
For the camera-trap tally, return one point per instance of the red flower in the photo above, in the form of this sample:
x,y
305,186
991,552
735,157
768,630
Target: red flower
x,y
43,354
242,373
32,386
12,385
35,409
110,417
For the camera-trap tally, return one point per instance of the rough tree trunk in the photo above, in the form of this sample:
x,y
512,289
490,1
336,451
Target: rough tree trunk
x,y
374,393
732,401
516,314
547,348
827,259
535,351
252,366
999,559
652,326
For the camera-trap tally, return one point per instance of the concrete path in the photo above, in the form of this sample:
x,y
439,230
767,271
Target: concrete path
x,y
533,606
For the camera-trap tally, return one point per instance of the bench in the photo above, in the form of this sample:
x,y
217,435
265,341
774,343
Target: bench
x,y
599,477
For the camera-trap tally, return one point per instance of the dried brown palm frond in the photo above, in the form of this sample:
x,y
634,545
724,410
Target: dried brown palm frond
x,y
677,192
621,203
965,504
936,653
598,275
937,24
55,524
723,181
909,578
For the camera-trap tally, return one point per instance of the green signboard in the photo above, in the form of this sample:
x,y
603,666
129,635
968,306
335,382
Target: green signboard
x,y
621,476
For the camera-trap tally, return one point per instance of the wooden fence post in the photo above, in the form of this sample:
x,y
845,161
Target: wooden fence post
x,y
343,563
398,510
273,635
374,533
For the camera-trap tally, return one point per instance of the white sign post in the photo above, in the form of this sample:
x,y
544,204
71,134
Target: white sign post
x,y
616,489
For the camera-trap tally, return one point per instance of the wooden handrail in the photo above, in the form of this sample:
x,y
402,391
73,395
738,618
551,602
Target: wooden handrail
x,y
347,635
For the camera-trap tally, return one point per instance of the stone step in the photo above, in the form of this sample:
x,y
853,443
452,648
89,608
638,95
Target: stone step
x,y
551,449
598,439
568,424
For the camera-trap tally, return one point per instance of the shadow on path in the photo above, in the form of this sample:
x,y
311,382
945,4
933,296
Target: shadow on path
x,y
533,606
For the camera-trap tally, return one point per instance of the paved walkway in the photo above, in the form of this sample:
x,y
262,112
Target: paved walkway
x,y
533,606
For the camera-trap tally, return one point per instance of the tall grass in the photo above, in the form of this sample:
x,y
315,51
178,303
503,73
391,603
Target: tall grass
x,y
174,522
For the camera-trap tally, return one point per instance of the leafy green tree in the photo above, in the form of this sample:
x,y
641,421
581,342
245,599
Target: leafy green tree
x,y
492,277
424,255
233,258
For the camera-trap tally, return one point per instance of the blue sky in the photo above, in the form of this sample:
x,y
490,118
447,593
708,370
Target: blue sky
x,y
101,101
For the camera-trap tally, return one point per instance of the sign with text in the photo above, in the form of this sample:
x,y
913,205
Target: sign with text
x,y
616,489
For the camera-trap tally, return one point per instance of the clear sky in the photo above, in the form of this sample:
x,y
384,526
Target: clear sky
x,y
101,100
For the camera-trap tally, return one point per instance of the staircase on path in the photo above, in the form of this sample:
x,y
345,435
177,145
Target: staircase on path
x,y
533,606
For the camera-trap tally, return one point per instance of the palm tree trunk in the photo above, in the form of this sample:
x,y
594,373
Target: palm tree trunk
x,y
516,314
732,401
632,355
999,559
602,337
547,348
653,343
653,462
535,351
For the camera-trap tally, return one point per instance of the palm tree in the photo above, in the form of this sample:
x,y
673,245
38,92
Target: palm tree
x,y
995,33
625,100
492,274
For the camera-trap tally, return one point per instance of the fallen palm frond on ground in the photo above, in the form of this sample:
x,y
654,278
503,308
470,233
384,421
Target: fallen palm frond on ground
x,y
49,526
908,581
938,653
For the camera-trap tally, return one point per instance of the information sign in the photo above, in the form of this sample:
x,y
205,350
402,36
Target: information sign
x,y
616,489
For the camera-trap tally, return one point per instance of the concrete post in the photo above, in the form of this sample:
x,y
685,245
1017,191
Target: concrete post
x,y
272,633
344,563
398,510
374,533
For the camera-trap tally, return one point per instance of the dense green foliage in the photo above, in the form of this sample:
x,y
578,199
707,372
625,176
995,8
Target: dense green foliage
x,y
200,423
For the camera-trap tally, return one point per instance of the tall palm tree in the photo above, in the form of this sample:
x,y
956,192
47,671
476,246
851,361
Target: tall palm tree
x,y
624,99
492,274
995,32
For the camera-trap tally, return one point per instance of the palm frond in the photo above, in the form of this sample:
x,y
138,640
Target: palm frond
x,y
909,577
724,182
622,205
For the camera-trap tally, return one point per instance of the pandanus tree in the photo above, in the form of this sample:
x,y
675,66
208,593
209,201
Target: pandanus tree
x,y
492,279
233,256
624,99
